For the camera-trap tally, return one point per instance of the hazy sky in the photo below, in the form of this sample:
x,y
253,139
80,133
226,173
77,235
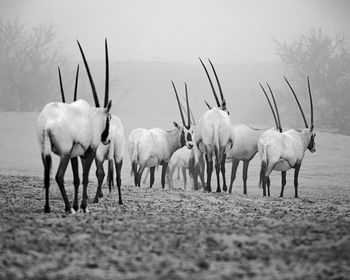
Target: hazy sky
x,y
181,30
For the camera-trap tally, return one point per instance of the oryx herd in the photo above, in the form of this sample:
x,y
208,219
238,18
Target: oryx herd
x,y
93,133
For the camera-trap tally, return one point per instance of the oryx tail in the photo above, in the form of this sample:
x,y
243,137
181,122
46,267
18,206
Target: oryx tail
x,y
110,174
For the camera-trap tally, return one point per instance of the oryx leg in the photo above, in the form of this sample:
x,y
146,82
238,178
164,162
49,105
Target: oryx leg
x,y
47,162
118,168
76,181
60,180
86,162
170,173
134,170
145,177
185,176
235,163
110,174
223,172
209,161
178,173
151,171
165,166
245,175
284,173
139,175
100,174
296,175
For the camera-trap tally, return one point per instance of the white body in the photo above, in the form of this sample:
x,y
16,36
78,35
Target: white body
x,y
69,128
282,151
181,159
213,135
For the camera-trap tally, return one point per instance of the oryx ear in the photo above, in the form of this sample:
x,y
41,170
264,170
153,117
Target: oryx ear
x,y
109,105
176,125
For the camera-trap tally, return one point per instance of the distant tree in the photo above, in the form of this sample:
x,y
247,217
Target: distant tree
x,y
326,60
28,66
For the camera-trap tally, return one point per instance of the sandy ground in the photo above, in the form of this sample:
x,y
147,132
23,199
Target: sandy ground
x,y
174,234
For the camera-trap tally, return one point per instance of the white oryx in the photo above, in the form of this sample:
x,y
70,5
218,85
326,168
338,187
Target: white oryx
x,y
185,158
114,151
245,139
71,130
213,133
282,151
149,148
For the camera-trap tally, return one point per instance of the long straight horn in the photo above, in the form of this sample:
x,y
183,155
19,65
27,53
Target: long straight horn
x,y
93,88
296,99
61,85
76,84
178,103
207,104
272,110
277,113
188,107
311,103
191,113
211,84
107,76
218,82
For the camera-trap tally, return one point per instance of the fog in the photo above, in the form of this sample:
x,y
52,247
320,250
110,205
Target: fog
x,y
226,31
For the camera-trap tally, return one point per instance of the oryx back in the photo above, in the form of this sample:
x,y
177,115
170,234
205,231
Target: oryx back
x,y
245,141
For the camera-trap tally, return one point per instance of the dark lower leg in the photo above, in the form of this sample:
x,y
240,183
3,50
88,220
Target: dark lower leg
x,y
134,170
268,183
296,175
118,168
223,172
100,174
283,183
60,180
209,171
76,181
86,162
47,167
151,171
245,176
164,168
235,163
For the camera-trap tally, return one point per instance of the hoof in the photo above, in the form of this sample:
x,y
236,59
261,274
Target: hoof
x,y
75,208
47,209
120,203
95,200
224,189
218,190
72,211
100,194
86,210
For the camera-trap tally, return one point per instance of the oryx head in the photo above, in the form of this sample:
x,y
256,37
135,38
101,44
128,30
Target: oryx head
x,y
221,105
309,130
186,129
105,111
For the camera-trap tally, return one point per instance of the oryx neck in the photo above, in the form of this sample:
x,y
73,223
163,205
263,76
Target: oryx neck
x,y
174,138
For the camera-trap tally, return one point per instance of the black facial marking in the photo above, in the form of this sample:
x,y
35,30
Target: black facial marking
x,y
189,136
311,143
183,141
105,132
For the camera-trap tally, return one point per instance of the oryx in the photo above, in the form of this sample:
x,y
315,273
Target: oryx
x,y
71,130
213,133
282,151
185,158
151,147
